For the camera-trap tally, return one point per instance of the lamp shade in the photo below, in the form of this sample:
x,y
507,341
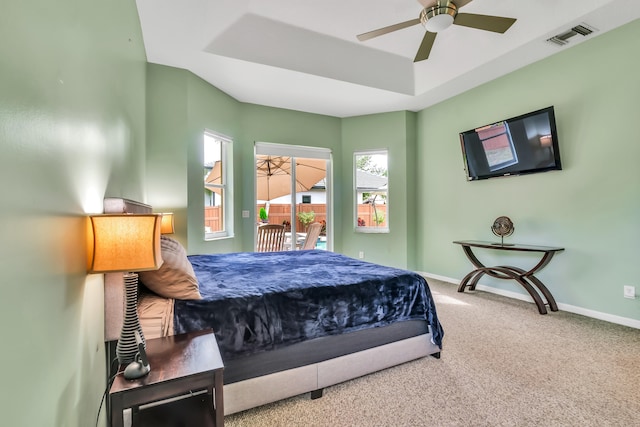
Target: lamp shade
x,y
123,242
167,224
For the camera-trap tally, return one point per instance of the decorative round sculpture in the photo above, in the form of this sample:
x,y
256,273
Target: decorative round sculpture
x,y
502,227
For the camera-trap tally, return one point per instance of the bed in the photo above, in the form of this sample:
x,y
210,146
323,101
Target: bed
x,y
289,323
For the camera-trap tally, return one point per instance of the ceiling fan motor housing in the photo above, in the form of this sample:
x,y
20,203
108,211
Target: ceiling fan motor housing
x,y
438,17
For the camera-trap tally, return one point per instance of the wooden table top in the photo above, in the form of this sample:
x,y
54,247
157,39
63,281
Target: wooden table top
x,y
507,246
175,356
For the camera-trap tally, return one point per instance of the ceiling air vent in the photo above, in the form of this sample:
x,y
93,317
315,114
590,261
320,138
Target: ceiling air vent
x,y
563,38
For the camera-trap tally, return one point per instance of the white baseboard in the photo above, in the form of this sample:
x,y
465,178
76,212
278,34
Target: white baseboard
x,y
625,321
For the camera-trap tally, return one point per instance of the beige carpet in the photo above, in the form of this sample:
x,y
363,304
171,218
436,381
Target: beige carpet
x,y
502,364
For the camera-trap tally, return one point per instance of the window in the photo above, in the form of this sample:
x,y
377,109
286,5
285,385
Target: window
x,y
306,199
372,191
218,173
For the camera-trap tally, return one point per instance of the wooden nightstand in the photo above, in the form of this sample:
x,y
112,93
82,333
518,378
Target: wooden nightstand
x,y
181,365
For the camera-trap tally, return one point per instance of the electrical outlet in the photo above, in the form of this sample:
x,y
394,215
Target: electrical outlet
x,y
361,254
630,292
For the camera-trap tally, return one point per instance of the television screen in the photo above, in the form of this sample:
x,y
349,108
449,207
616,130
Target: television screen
x,y
515,146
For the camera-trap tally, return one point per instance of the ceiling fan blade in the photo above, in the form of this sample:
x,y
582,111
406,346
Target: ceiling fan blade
x,y
425,46
380,31
428,3
461,3
497,24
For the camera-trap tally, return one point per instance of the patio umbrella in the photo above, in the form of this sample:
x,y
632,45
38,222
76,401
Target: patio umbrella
x,y
273,178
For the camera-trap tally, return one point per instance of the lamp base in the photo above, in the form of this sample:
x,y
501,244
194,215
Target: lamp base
x,y
127,346
136,369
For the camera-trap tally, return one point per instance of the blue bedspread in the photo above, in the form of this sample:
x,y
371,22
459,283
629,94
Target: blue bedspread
x,y
261,301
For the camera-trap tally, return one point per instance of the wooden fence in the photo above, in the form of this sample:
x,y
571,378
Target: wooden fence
x,y
278,213
367,215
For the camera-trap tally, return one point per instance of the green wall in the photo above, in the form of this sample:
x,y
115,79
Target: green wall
x,y
180,107
394,132
166,157
591,207
72,113
276,125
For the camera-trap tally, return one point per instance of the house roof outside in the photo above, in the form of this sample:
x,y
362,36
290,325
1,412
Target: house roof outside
x,y
370,182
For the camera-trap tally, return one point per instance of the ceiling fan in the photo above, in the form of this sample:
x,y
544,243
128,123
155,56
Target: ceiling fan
x,y
438,15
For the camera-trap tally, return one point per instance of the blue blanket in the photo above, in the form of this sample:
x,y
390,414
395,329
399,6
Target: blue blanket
x,y
266,300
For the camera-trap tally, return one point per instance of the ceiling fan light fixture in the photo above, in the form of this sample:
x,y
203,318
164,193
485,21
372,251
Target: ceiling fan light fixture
x,y
438,18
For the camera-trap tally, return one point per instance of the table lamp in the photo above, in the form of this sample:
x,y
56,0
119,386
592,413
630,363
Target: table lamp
x,y
125,243
167,224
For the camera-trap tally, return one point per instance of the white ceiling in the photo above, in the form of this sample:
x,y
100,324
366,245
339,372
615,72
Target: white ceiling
x,y
303,54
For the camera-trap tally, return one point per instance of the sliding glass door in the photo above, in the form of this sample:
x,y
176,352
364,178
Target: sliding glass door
x,y
293,189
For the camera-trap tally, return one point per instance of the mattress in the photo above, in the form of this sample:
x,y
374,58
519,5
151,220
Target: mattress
x,y
264,301
156,319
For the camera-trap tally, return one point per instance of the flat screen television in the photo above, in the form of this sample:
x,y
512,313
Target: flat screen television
x,y
516,146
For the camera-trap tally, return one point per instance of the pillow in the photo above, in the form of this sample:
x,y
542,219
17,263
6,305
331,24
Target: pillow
x,y
175,278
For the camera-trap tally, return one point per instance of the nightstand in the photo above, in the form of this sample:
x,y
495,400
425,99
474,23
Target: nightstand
x,y
181,365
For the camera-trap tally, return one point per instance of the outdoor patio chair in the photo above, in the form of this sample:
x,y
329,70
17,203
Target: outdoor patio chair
x,y
313,232
270,238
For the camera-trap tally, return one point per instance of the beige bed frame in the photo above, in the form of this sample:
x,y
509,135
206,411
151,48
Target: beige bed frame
x,y
265,389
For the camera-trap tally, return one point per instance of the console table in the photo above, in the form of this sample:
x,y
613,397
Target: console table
x,y
529,282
